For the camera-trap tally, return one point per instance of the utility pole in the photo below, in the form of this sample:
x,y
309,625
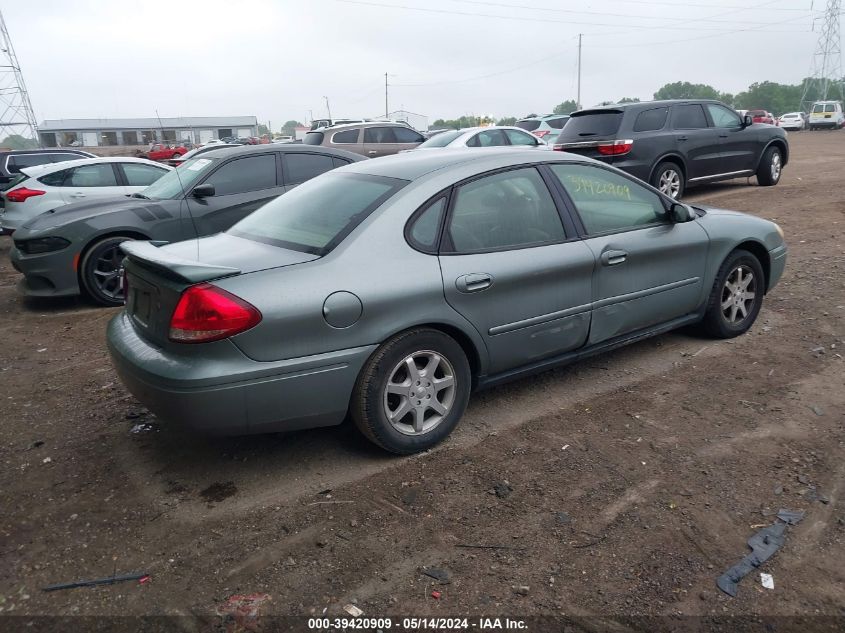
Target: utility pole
x,y
386,109
826,68
578,98
16,114
328,108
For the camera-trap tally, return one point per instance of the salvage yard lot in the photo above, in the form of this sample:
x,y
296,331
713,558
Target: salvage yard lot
x,y
622,485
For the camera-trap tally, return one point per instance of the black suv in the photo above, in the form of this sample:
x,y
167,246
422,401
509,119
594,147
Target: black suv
x,y
674,144
12,161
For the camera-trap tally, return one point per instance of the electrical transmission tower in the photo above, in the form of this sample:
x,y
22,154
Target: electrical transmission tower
x,y
16,115
826,79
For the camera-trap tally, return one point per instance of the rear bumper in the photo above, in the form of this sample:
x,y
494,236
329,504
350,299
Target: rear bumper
x,y
46,274
825,123
777,264
215,389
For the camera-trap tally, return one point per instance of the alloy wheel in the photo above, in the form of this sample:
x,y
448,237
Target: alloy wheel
x,y
776,166
419,393
107,272
670,183
738,294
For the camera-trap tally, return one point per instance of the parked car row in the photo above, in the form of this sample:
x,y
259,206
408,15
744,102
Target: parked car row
x,y
305,313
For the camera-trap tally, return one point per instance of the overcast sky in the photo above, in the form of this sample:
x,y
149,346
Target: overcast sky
x,y
277,59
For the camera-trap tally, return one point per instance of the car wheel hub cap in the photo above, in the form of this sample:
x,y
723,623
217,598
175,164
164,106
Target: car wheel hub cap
x,y
419,393
670,182
776,166
107,273
738,295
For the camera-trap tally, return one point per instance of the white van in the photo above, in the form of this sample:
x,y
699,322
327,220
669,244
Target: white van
x,y
827,114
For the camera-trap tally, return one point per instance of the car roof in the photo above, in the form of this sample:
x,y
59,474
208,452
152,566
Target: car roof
x,y
337,128
48,168
414,165
285,148
620,107
54,150
542,117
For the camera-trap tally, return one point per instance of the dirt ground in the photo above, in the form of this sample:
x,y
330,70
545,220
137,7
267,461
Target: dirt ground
x,y
620,486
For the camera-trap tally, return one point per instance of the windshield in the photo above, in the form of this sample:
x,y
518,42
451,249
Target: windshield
x,y
174,183
440,140
318,214
529,125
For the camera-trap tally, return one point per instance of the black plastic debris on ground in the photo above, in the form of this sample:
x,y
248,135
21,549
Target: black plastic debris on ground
x,y
763,546
441,575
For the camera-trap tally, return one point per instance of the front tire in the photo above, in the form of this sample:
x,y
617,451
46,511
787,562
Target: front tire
x,y
736,297
669,179
412,392
99,271
771,167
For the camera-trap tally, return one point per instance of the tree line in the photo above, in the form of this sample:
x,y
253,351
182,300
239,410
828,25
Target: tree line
x,y
766,95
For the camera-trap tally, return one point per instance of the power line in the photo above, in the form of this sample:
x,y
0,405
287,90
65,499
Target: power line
x,y
626,15
529,19
826,69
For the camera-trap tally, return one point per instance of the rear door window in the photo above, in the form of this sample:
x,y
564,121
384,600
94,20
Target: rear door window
x,y
688,117
347,136
651,120
379,135
92,176
510,209
302,167
244,174
488,138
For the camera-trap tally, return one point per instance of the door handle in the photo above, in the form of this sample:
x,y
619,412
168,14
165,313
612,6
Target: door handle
x,y
683,138
723,136
612,258
474,282
372,151
77,195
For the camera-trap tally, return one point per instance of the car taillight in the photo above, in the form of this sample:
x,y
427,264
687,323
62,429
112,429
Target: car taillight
x,y
615,148
541,133
23,194
207,313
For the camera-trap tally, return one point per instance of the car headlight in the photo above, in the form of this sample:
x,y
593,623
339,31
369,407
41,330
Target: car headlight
x,y
42,245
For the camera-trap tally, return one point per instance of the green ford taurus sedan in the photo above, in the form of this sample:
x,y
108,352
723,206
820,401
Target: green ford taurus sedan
x,y
388,290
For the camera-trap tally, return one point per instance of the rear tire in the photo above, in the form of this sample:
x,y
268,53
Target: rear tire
x,y
771,167
669,179
736,297
99,271
412,392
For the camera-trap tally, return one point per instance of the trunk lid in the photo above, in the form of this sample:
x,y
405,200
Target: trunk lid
x,y
586,130
156,277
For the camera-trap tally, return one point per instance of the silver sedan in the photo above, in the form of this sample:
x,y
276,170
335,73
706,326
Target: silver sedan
x,y
388,290
491,136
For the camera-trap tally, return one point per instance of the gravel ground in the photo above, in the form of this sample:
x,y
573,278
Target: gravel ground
x,y
622,486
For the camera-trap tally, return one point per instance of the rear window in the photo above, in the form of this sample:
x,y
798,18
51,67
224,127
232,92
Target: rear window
x,y
757,112
830,108
558,123
442,139
313,138
529,125
592,124
649,120
317,215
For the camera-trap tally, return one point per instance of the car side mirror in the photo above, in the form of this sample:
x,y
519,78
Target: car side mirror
x,y
747,121
680,212
205,190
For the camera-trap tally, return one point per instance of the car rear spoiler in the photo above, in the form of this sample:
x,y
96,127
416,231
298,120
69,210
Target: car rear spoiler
x,y
150,256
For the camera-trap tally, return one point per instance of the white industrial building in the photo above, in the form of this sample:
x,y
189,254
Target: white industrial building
x,y
107,132
416,121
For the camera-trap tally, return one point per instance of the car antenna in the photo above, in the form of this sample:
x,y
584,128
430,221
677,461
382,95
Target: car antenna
x,y
184,194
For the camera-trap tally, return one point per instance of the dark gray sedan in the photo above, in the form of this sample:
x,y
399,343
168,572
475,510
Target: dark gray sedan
x,y
388,290
75,248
